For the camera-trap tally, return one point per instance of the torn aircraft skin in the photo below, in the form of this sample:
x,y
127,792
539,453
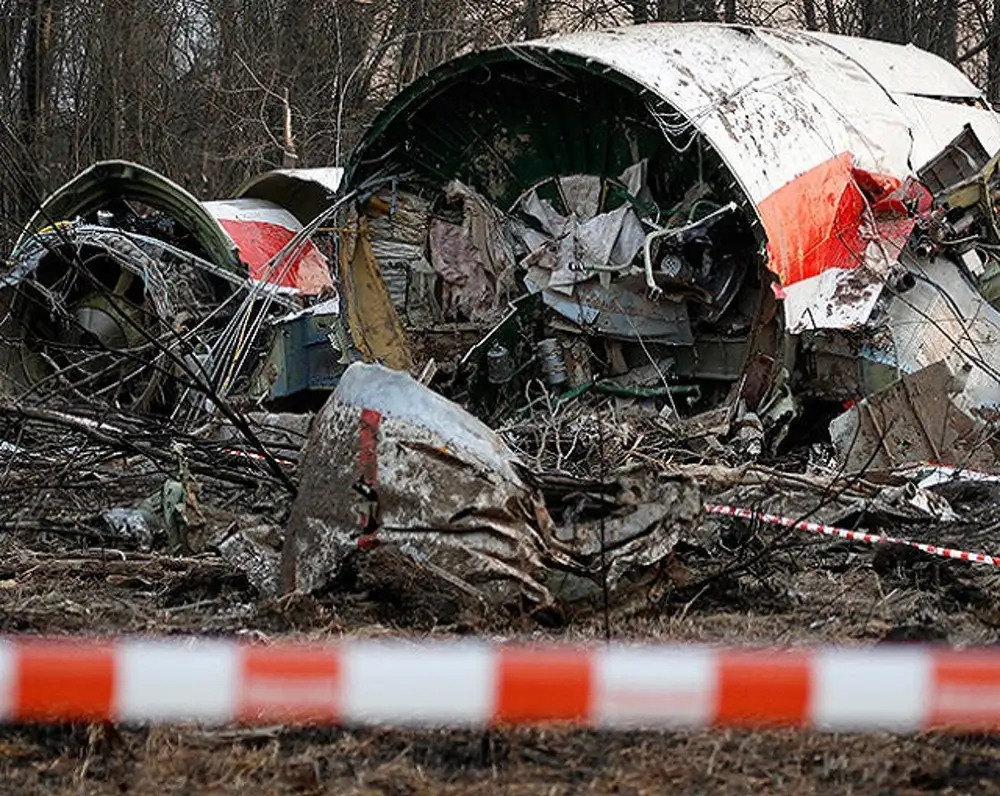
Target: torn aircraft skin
x,y
733,212
726,222
425,477
124,286
697,215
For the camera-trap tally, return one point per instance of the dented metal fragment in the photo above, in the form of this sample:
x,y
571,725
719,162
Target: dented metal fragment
x,y
916,419
125,286
390,462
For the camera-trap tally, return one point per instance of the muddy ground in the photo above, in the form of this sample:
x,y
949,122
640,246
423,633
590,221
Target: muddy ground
x,y
755,585
731,582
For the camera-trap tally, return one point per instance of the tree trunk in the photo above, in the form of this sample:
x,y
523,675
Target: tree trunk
x,y
670,10
729,12
532,19
12,14
809,10
640,12
886,20
428,38
993,58
831,17
35,68
946,42
409,56
701,11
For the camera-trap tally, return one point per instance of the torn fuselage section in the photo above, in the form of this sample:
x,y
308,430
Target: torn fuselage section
x,y
542,225
644,212
688,217
126,288
918,363
87,309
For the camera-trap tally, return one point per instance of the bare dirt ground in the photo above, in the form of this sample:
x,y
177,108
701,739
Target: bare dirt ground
x,y
729,583
755,586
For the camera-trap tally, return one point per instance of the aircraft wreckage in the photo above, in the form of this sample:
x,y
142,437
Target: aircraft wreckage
x,y
698,215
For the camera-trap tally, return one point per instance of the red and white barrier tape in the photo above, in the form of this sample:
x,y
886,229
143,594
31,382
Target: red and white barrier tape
x,y
471,684
844,533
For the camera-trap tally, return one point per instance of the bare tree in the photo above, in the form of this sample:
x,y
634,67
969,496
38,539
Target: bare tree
x,y
533,19
831,17
35,81
669,10
208,91
993,57
809,10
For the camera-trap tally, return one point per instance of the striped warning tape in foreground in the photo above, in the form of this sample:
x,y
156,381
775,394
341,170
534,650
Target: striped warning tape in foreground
x,y
844,533
359,682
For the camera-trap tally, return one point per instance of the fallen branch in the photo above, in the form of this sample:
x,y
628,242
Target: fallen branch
x,y
119,440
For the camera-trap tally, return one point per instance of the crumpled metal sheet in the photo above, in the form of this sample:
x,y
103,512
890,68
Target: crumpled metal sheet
x,y
398,227
914,420
938,121
391,462
888,496
445,487
943,317
474,259
572,248
248,552
130,527
571,261
839,298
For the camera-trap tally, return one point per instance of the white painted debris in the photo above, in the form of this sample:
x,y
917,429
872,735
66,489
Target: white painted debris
x,y
391,462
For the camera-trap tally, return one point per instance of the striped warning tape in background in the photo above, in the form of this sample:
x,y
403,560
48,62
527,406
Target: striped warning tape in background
x,y
845,533
460,684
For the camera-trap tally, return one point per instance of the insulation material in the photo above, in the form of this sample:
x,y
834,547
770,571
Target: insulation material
x,y
398,230
571,250
582,194
474,259
573,247
375,327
